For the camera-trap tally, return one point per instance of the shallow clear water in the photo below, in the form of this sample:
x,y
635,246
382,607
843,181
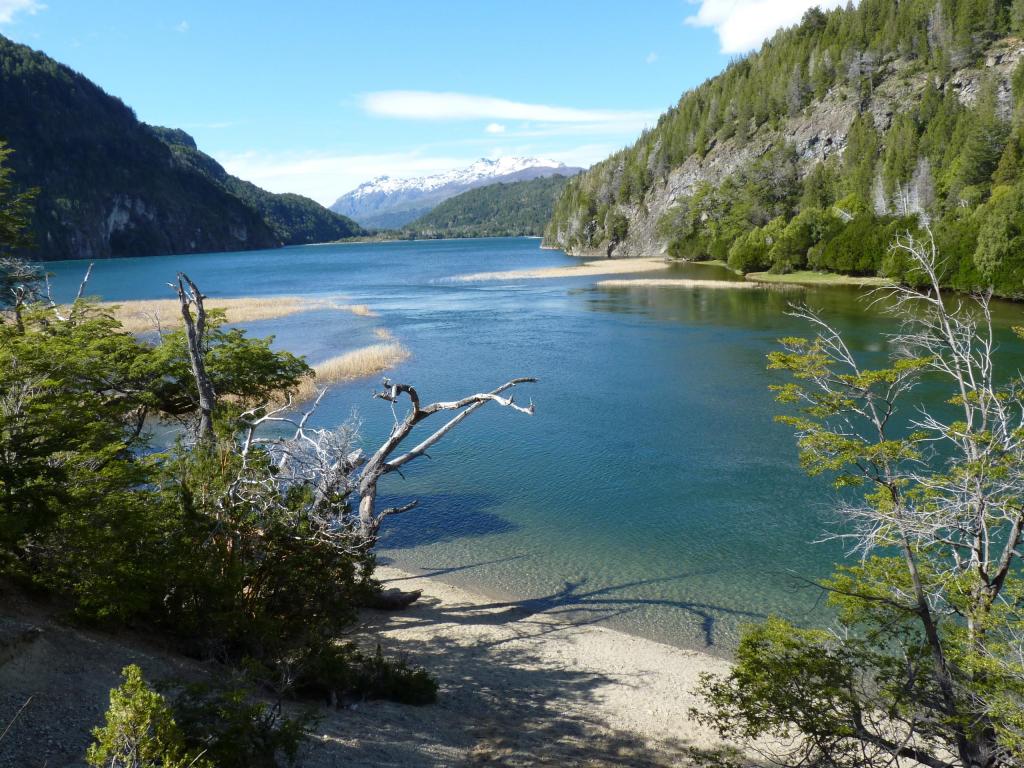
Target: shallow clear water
x,y
651,491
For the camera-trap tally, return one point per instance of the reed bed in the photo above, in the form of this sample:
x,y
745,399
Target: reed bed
x,y
357,364
732,285
360,309
139,316
584,269
807,277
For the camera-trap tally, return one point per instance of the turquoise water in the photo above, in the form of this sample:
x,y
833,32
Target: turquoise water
x,y
651,491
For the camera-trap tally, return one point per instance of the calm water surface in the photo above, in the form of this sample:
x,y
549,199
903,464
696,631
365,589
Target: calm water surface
x,y
651,491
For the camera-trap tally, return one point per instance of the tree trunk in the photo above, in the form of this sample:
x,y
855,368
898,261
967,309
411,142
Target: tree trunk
x,y
195,330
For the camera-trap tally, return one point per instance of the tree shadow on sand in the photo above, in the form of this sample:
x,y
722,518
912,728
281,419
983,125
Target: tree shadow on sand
x,y
572,605
503,702
498,706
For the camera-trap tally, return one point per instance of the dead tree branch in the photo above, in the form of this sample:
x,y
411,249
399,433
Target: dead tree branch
x,y
382,463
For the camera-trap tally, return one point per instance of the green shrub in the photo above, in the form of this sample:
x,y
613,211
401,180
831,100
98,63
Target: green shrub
x,y
340,671
250,580
140,731
233,730
750,252
861,245
999,256
803,232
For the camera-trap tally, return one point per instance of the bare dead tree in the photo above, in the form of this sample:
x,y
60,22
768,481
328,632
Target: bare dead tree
x,y
381,462
948,495
190,296
325,460
19,281
56,308
329,461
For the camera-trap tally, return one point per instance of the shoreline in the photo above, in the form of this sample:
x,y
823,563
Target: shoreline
x,y
681,282
594,268
520,683
481,593
808,277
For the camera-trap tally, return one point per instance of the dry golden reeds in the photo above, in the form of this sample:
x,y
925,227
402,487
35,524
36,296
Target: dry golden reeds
x,y
139,316
357,364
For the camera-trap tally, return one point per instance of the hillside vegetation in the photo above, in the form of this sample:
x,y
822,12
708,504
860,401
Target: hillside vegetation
x,y
497,210
295,220
110,187
814,151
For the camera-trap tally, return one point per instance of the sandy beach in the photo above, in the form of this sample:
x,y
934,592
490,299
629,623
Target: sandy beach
x,y
141,315
522,684
584,269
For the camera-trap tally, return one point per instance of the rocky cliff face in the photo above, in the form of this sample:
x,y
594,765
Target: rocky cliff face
x,y
817,133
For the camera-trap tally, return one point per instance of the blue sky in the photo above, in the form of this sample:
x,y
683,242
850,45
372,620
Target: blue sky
x,y
314,96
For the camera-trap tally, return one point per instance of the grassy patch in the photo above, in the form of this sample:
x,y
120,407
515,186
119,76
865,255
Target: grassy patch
x,y
806,277
731,285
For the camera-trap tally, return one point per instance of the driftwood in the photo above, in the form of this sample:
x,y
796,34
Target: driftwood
x,y
393,599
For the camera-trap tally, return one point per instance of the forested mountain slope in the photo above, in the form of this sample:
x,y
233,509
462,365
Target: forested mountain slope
x,y
815,150
108,186
392,203
295,220
497,210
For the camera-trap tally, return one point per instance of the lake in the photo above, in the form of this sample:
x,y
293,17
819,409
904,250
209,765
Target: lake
x,y
651,491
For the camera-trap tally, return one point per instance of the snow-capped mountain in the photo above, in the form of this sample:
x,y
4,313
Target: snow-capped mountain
x,y
386,202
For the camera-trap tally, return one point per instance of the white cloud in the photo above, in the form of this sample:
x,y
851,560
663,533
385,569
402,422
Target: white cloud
x,y
183,26
10,8
433,105
651,57
495,128
744,24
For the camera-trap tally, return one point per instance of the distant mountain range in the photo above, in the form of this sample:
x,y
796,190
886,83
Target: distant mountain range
x,y
389,203
110,185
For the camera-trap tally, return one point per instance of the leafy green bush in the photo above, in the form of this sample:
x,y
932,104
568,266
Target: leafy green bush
x,y
808,228
860,246
233,730
341,670
999,256
750,253
140,731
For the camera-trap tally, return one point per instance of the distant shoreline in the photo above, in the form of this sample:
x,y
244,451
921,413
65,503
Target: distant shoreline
x,y
397,239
